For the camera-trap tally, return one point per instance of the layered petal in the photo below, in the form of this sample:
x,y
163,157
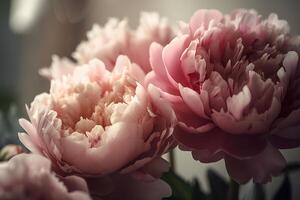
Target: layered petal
x,y
233,83
96,122
24,176
261,167
117,38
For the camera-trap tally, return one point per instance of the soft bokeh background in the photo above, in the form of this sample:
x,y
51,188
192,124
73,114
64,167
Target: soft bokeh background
x,y
33,30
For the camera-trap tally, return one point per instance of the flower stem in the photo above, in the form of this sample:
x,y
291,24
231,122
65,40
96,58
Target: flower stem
x,y
233,192
172,159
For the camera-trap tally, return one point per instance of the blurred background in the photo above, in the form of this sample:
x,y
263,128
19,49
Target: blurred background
x,y
33,30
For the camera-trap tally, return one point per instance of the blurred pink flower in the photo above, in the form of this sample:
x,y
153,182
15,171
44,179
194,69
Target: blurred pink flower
x,y
114,39
28,177
94,122
233,81
59,68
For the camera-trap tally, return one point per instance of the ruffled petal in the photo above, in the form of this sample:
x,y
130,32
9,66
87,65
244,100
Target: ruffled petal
x,y
218,141
171,57
203,17
260,168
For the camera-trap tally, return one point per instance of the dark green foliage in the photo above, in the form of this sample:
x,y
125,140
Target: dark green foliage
x,y
185,190
182,190
218,186
285,190
9,127
197,193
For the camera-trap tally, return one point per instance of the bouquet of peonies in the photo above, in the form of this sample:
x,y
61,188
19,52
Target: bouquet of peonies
x,y
223,86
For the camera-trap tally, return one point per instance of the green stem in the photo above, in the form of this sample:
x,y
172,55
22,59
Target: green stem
x,y
233,193
172,159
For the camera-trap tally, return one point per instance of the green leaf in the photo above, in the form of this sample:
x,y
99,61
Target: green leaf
x,y
284,192
219,187
9,127
197,193
182,190
5,101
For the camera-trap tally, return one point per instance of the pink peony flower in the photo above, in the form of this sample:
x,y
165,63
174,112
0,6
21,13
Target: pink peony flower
x,y
114,39
94,122
233,81
28,176
59,68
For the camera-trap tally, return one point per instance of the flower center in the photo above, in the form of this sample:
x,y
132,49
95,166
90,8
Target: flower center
x,y
88,108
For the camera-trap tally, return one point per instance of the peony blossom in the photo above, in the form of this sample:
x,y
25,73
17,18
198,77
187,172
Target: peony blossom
x,y
114,39
233,81
96,122
25,175
59,68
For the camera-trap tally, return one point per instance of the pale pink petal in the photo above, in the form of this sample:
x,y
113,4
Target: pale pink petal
x,y
27,142
252,123
163,106
202,18
122,142
24,177
58,69
171,56
237,103
123,63
156,61
193,100
152,78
